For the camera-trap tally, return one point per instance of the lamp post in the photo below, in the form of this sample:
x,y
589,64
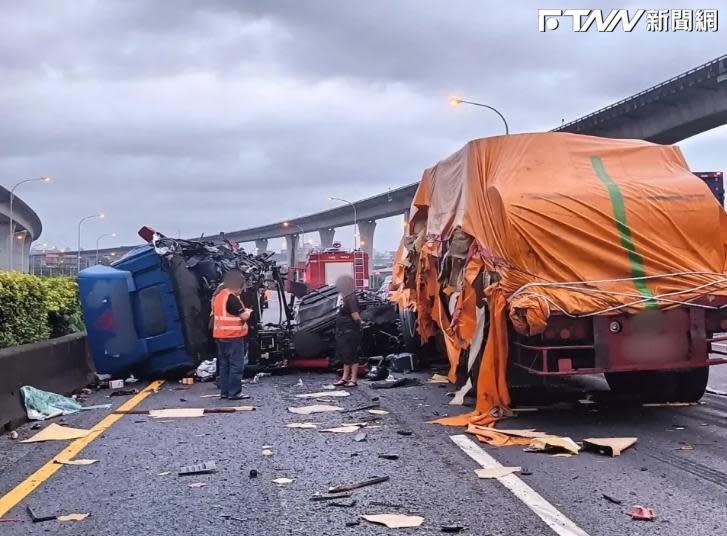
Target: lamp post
x,y
101,216
355,220
456,101
10,216
99,239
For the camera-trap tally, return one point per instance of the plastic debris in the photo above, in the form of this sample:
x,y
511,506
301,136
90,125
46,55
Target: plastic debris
x,y
394,521
41,405
328,387
197,485
611,446
266,452
79,461
131,379
164,473
259,376
438,378
342,429
316,408
206,370
300,383
301,425
198,469
641,513
282,481
361,436
324,394
496,472
378,412
73,517
13,434
549,443
56,432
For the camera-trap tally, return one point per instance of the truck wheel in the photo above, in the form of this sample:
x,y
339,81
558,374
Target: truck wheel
x,y
692,384
646,386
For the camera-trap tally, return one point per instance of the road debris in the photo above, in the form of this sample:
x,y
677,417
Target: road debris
x,y
197,485
355,523
176,413
73,517
348,504
401,382
116,384
259,376
551,443
253,473
210,396
357,485
322,394
330,497
184,412
164,473
316,408
503,438
641,513
341,429
206,370
612,499
612,446
496,472
404,432
13,434
79,461
42,405
304,425
685,446
267,451
124,392
39,518
394,521
438,378
10,520
56,432
198,469
452,529
378,412
328,387
361,436
282,481
362,408
389,456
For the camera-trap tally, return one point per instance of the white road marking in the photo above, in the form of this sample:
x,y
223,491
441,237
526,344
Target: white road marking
x,y
543,509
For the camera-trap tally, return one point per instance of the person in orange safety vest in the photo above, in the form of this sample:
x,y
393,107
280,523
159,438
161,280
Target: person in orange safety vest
x,y
229,329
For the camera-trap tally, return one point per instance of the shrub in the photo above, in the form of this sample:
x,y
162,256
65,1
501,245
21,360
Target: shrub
x,y
34,308
23,310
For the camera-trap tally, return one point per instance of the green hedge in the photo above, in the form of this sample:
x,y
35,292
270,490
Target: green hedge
x,y
35,308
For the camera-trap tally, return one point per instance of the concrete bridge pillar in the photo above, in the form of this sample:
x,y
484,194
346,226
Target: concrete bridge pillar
x,y
291,244
261,245
326,236
366,240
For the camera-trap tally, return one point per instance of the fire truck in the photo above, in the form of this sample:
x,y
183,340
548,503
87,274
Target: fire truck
x,y
323,267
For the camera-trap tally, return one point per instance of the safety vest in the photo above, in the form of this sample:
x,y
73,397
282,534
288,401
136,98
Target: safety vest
x,y
226,326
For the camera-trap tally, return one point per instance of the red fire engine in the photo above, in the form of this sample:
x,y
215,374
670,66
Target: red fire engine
x,y
323,267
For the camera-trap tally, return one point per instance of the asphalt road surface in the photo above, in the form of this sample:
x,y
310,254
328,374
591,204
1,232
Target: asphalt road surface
x,y
126,492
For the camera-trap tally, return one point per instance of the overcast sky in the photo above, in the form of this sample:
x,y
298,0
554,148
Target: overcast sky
x,y
215,116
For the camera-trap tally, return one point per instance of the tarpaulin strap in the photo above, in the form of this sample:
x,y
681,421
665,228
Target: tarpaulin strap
x,y
619,214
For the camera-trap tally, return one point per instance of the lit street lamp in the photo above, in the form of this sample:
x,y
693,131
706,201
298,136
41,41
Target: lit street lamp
x,y
355,219
12,223
101,216
99,239
22,236
456,101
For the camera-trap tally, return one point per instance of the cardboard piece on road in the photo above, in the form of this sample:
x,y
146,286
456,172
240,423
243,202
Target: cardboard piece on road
x,y
613,446
394,521
547,443
56,432
281,481
378,412
73,517
324,394
176,413
438,378
315,408
342,429
79,461
496,472
301,425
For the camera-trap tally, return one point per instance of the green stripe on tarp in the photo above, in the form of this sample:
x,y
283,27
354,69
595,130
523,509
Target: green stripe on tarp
x,y
619,213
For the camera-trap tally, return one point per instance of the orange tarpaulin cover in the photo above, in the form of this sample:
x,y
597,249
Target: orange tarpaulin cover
x,y
568,223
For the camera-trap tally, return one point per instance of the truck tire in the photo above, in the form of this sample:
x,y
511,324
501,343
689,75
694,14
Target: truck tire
x,y
692,384
645,386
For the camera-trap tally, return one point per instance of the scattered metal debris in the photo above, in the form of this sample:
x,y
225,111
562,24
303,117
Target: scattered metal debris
x,y
38,518
389,456
611,499
364,483
452,529
404,432
198,469
348,504
330,497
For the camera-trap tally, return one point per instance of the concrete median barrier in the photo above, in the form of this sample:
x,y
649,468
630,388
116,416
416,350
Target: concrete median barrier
x,y
59,365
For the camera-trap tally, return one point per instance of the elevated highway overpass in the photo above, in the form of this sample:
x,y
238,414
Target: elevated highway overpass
x,y
687,104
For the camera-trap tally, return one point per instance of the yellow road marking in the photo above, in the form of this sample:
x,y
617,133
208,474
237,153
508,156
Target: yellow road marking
x,y
27,486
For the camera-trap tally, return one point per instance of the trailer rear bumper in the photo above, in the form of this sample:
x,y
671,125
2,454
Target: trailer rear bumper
x,y
654,340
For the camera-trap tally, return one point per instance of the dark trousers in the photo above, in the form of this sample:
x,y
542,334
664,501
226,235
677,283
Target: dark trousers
x,y
231,355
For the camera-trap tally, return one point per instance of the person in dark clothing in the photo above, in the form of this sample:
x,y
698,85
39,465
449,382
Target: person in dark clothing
x,y
348,331
229,329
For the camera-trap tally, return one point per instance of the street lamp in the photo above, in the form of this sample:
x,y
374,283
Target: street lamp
x,y
456,101
99,239
12,223
101,216
355,219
